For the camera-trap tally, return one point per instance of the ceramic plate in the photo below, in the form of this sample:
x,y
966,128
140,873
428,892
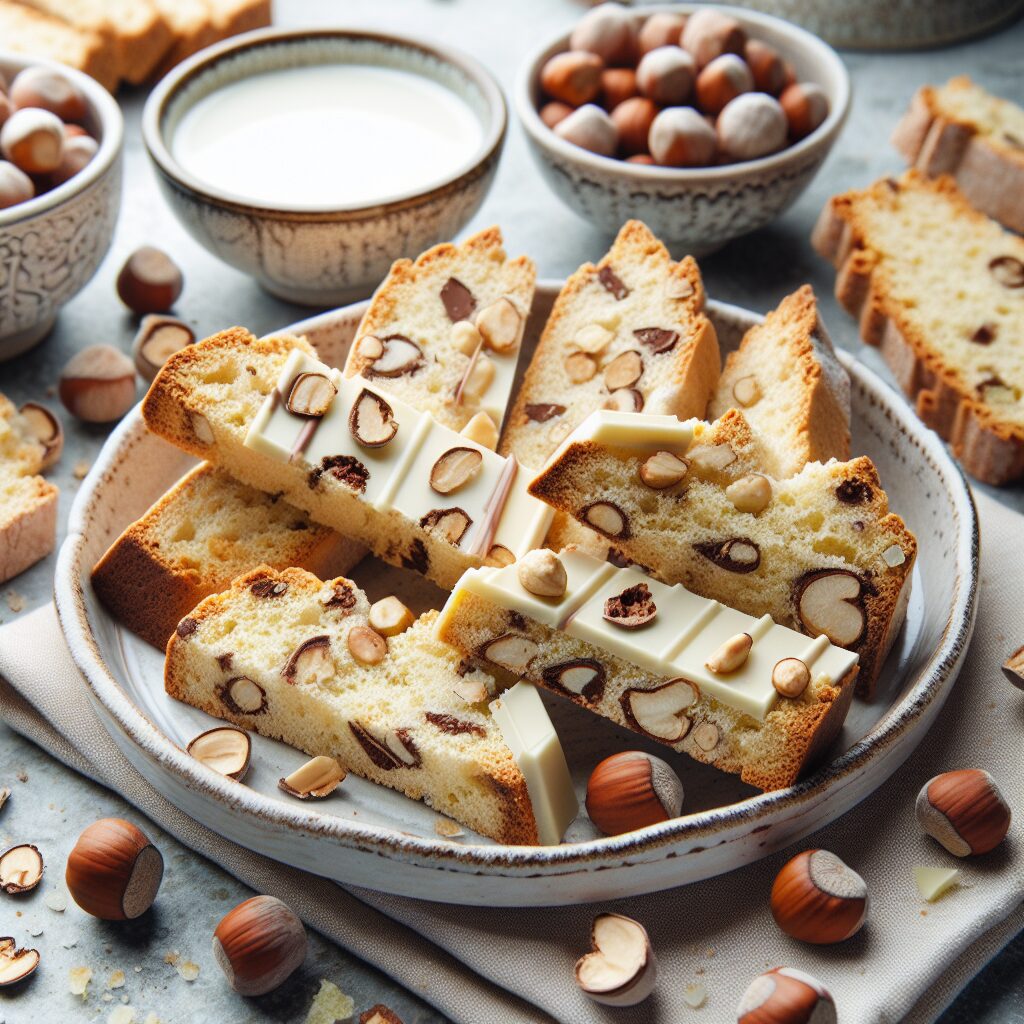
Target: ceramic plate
x,y
368,835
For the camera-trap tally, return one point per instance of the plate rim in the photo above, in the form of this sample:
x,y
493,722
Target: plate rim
x,y
934,681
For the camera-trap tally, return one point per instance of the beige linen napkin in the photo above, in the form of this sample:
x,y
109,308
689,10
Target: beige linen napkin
x,y
513,966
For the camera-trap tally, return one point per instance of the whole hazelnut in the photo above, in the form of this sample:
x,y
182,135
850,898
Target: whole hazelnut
x,y
750,126
964,811
259,945
817,898
33,139
149,281
766,66
114,871
721,81
633,119
573,77
631,790
680,137
15,185
6,107
590,128
48,90
785,995
662,29
617,86
542,573
666,75
553,112
709,33
78,151
609,31
805,106
98,384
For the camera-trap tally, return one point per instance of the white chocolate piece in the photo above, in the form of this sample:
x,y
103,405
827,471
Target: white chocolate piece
x,y
628,432
934,882
529,734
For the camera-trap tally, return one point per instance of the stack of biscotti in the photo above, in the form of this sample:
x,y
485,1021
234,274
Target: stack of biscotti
x,y
692,503
939,288
28,503
196,539
297,660
961,129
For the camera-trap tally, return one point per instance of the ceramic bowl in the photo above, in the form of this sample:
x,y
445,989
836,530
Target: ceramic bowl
x,y
696,210
51,246
313,256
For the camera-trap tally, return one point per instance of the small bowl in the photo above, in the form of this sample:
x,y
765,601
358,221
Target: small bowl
x,y
695,209
51,246
321,256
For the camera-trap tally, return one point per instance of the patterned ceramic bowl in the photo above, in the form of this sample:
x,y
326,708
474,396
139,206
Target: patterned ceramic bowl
x,y
51,245
696,209
314,256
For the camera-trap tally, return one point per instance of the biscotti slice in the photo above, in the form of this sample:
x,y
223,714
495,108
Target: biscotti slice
x,y
629,333
352,455
443,333
792,389
192,29
296,660
206,530
961,129
230,17
741,693
819,551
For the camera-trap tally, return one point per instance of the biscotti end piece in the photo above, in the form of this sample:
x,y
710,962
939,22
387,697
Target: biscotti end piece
x,y
939,288
961,129
231,17
196,539
192,29
289,657
792,389
629,333
443,332
28,521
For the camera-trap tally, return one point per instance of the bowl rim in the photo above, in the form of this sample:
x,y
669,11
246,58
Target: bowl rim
x,y
529,116
111,120
173,82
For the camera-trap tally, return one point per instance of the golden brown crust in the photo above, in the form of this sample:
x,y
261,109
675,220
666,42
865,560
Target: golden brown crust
x,y
28,533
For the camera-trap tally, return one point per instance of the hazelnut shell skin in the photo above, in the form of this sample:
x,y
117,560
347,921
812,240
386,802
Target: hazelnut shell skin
x,y
786,998
805,912
964,811
149,281
622,797
259,945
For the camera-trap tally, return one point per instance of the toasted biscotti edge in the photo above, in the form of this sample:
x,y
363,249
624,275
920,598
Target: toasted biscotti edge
x,y
989,449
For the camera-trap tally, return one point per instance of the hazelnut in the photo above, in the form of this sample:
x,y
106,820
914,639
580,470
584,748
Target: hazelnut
x,y
750,126
751,493
661,712
964,811
666,75
48,90
817,898
633,119
366,645
114,871
46,429
709,33
791,677
158,338
542,573
805,106
766,66
608,31
785,995
21,869
662,29
680,137
621,970
98,384
632,790
590,128
617,85
33,140
579,367
481,429
500,325
551,113
479,377
454,469
389,616
78,151
16,964
465,337
149,282
259,945
722,80
730,655
318,778
225,749
15,185
6,107
573,77
663,469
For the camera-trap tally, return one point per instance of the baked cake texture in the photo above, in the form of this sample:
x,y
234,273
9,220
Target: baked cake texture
x,y
939,288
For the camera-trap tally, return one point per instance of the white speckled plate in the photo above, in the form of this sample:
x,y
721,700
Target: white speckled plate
x,y
368,835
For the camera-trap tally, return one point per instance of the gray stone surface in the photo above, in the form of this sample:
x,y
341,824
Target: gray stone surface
x,y
52,805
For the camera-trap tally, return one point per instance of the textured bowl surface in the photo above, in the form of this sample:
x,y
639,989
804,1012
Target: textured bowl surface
x,y
321,257
367,835
51,246
696,209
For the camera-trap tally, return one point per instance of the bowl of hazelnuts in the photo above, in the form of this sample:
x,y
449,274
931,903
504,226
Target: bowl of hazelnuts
x,y
704,122
60,191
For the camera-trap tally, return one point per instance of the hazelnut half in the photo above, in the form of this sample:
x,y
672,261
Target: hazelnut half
x,y
47,430
785,995
16,964
389,616
964,811
454,469
225,749
621,970
21,869
318,777
631,790
259,945
817,898
98,384
158,338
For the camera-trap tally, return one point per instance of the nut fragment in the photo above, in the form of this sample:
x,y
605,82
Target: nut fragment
x,y
784,995
746,391
389,616
242,696
964,811
1007,270
372,421
621,970
381,1014
448,524
893,556
659,339
500,556
541,412
98,384
791,677
582,676
465,337
225,749
398,356
1013,668
368,348
201,428
625,400
15,964
606,518
481,429
632,790
454,469
660,712
817,898
580,367
21,869
706,736
736,555
310,662
624,370
730,655
311,394
472,690
663,469
366,645
632,608
751,493
158,338
541,572
711,458
46,429
500,325
831,602
318,778
593,338
512,651
258,945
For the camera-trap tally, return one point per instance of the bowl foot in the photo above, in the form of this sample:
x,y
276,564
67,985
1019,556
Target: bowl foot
x,y
12,345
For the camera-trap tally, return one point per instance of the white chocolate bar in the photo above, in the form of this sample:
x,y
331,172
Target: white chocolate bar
x,y
631,432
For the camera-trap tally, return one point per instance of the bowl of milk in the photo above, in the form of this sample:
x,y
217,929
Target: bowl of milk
x,y
312,159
